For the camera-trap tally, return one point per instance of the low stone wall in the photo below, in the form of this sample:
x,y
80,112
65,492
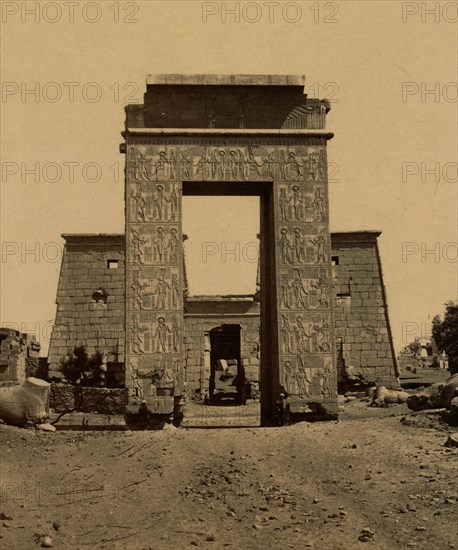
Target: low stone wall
x,y
36,367
65,398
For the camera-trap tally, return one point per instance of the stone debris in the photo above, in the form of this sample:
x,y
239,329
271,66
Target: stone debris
x,y
382,397
366,535
46,427
452,440
46,542
436,396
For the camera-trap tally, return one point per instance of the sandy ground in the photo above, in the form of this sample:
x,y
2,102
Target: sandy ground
x,y
302,486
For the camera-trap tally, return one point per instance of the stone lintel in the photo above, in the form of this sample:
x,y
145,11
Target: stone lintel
x,y
74,239
302,132
222,298
224,80
355,236
219,315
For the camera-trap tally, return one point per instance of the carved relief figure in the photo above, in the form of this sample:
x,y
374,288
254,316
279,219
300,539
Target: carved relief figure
x,y
299,245
175,290
172,163
318,203
139,165
294,167
303,381
221,165
302,335
137,242
158,202
212,161
269,165
186,166
319,293
286,334
166,166
319,247
283,201
283,166
136,334
288,378
161,291
160,335
284,285
252,163
139,203
158,244
298,203
286,248
299,292
173,246
321,337
173,201
137,291
313,166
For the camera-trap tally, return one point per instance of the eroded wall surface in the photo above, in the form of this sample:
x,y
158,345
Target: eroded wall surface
x,y
363,332
90,300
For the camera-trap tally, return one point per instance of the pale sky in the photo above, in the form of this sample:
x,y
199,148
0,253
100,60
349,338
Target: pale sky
x,y
360,53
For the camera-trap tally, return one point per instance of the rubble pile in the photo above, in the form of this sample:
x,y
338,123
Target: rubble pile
x,y
438,396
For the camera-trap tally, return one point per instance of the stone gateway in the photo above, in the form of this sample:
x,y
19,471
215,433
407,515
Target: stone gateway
x,y
232,135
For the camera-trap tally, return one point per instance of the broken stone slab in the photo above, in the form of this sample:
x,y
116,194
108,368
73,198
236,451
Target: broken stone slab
x,y
46,427
436,396
27,402
156,405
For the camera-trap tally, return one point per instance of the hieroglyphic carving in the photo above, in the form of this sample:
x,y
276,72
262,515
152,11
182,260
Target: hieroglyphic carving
x,y
304,278
147,163
154,203
154,173
309,377
154,289
153,244
304,288
296,247
154,333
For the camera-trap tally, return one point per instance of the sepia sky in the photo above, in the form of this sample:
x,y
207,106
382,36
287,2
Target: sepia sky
x,y
389,69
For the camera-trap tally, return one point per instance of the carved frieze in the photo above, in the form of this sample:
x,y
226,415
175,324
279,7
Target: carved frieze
x,y
253,162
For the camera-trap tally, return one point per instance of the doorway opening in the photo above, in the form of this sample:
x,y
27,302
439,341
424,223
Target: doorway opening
x,y
227,376
229,330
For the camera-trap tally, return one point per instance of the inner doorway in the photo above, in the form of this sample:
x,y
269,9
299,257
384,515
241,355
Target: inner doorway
x,y
227,377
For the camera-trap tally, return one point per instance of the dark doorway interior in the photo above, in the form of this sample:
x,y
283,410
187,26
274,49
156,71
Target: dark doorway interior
x,y
227,381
